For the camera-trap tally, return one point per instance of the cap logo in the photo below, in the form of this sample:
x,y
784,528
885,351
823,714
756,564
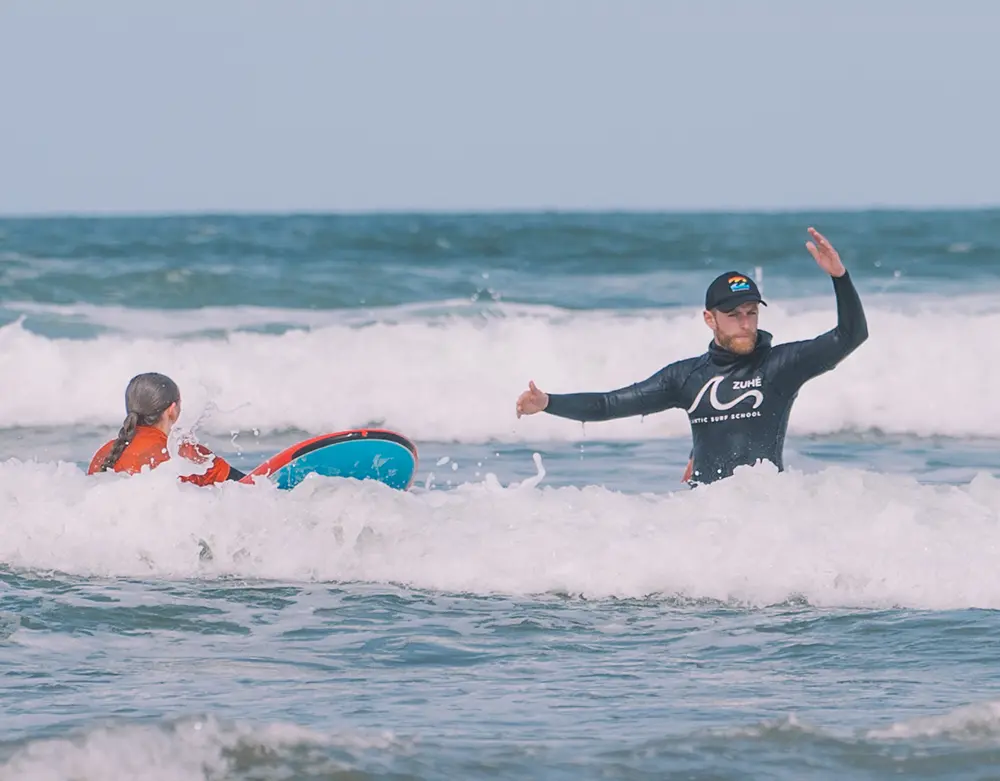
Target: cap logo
x,y
738,284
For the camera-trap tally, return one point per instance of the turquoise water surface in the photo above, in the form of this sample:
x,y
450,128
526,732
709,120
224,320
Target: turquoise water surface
x,y
548,600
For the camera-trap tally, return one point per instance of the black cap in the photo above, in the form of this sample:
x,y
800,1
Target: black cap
x,y
731,289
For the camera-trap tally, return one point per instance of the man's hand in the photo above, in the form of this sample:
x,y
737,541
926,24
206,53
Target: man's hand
x,y
825,255
531,401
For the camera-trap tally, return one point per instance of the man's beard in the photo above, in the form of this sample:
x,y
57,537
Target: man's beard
x,y
741,345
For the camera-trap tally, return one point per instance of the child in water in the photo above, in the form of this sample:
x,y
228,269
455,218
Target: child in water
x,y
152,406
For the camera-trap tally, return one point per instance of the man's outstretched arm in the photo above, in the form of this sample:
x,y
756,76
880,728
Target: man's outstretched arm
x,y
813,357
654,394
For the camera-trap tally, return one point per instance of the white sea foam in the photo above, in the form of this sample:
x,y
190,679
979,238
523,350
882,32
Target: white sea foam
x,y
455,377
190,749
837,537
976,722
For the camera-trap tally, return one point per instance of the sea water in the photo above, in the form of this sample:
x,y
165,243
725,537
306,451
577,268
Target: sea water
x,y
548,600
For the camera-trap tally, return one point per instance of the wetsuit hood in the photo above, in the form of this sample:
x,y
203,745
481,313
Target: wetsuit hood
x,y
723,357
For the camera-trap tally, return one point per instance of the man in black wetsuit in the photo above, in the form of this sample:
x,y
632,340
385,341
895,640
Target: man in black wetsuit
x,y
738,394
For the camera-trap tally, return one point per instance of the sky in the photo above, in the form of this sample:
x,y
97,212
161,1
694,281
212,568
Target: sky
x,y
115,106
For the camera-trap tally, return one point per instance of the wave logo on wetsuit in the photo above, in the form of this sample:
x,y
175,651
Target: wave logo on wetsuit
x,y
738,284
713,397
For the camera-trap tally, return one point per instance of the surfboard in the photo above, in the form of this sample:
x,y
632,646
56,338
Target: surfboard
x,y
364,454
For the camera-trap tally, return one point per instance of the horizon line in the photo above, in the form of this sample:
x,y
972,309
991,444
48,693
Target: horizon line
x,y
480,212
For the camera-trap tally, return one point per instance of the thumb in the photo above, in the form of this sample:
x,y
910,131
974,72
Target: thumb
x,y
532,387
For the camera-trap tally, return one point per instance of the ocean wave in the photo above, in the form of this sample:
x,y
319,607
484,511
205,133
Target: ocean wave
x,y
838,537
454,374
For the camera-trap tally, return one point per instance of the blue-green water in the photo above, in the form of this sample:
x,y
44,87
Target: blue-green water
x,y
582,615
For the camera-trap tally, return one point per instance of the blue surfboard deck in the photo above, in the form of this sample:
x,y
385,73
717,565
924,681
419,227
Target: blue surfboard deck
x,y
363,454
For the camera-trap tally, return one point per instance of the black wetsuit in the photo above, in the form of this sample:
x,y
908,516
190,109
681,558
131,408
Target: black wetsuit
x,y
738,405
